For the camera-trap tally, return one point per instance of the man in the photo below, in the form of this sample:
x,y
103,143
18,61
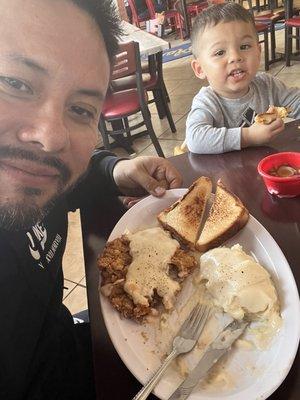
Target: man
x,y
54,72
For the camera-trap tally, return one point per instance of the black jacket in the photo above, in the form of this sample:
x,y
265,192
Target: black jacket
x,y
37,343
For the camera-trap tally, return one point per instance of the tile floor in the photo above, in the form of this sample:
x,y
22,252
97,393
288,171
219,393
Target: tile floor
x,y
182,86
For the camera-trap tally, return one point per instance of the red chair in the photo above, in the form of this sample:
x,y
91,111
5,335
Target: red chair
x,y
136,19
118,106
290,24
174,17
270,19
196,8
263,28
152,81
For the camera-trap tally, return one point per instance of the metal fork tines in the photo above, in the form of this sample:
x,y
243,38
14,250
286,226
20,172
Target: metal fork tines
x,y
183,342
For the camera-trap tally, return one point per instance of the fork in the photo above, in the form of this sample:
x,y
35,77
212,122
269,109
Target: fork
x,y
183,342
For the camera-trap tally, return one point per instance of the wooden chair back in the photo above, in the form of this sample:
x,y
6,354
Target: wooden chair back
x,y
125,61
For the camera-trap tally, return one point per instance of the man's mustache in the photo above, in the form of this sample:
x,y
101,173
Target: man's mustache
x,y
21,154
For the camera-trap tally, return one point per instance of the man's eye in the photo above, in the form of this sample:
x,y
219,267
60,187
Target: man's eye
x,y
82,112
16,84
219,53
245,46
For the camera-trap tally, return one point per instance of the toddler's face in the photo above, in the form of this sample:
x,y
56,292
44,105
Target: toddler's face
x,y
229,57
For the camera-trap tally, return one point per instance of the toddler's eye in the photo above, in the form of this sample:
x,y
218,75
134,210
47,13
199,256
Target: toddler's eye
x,y
219,53
245,46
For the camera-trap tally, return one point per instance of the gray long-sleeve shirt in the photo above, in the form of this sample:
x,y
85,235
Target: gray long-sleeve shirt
x,y
214,123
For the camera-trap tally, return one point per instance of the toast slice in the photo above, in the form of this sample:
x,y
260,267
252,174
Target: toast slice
x,y
226,217
183,218
270,116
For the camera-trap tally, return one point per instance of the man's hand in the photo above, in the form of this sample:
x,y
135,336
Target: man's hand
x,y
259,134
146,174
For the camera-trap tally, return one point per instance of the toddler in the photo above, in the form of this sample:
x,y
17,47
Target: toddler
x,y
227,53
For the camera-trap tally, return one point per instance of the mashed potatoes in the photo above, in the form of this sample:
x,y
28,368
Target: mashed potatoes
x,y
239,285
239,288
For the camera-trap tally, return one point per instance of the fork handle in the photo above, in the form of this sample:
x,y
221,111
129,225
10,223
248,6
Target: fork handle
x,y
147,389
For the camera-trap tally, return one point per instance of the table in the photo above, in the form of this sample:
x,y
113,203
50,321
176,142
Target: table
x,y
149,44
281,217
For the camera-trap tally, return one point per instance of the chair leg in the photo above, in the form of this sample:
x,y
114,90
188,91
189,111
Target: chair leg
x,y
166,92
127,127
297,39
123,142
118,138
179,24
104,133
288,46
159,103
266,43
167,111
273,41
147,118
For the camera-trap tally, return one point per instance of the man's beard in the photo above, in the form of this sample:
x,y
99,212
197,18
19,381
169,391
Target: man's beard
x,y
24,214
15,217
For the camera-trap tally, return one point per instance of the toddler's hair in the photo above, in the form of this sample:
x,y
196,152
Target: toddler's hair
x,y
213,15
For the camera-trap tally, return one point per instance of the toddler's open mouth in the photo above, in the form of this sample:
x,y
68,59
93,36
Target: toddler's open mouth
x,y
237,74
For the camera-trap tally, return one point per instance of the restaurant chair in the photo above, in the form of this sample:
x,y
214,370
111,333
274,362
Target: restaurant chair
x,y
152,81
290,25
173,17
195,8
263,28
118,106
271,19
136,19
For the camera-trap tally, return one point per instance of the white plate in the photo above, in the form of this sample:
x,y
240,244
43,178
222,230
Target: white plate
x,y
258,373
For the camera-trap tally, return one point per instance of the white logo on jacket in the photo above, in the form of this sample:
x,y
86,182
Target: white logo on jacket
x,y
37,240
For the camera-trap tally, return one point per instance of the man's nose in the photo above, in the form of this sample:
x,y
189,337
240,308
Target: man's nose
x,y
47,130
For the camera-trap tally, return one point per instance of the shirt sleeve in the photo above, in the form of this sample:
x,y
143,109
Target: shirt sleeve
x,y
203,137
98,182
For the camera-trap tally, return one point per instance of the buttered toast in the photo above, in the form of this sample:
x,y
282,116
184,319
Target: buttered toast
x,y
183,218
270,116
226,217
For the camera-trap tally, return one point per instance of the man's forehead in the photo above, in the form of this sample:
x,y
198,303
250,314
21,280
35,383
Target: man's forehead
x,y
51,18
55,33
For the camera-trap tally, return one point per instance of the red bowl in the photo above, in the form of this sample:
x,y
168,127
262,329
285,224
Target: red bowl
x,y
281,186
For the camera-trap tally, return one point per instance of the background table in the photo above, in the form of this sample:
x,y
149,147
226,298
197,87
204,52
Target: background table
x,y
149,44
281,217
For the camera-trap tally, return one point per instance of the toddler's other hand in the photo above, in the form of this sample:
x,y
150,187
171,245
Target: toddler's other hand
x,y
258,134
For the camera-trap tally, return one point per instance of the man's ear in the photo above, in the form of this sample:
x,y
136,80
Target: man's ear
x,y
198,71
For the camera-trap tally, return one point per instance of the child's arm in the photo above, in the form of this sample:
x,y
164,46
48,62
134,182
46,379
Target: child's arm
x,y
203,138
259,134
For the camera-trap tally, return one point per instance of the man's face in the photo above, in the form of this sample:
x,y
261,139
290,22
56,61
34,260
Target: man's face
x,y
229,56
54,72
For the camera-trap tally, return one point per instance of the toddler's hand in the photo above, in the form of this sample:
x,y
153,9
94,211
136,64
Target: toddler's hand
x,y
258,134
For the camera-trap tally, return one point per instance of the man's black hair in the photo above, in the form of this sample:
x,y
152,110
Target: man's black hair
x,y
105,15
